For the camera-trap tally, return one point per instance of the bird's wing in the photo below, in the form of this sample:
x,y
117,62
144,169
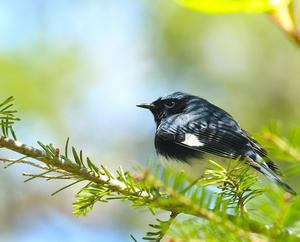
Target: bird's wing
x,y
213,133
262,153
222,137
256,146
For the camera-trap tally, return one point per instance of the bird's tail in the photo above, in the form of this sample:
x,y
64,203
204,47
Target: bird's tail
x,y
260,165
274,177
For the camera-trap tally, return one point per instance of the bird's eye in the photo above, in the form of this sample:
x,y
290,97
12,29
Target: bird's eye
x,y
170,104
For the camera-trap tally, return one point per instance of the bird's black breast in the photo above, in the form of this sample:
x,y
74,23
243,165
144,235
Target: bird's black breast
x,y
171,150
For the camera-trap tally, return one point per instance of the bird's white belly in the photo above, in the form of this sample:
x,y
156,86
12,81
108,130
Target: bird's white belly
x,y
195,167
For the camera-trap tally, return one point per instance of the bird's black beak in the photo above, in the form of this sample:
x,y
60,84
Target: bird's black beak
x,y
145,105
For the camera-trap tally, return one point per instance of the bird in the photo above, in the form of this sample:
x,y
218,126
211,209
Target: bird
x,y
190,127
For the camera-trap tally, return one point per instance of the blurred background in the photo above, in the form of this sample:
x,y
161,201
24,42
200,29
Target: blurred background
x,y
77,69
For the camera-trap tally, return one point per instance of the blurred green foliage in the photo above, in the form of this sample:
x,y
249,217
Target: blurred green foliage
x,y
40,77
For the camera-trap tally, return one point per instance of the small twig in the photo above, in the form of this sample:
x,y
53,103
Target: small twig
x,y
30,163
22,161
14,161
285,19
38,175
47,177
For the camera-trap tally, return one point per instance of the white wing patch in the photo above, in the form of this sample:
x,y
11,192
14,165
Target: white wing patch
x,y
192,140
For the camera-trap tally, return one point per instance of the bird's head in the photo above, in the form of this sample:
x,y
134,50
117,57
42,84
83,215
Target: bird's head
x,y
163,107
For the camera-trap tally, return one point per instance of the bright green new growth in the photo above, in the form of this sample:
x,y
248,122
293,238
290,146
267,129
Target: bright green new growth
x,y
233,6
228,202
283,12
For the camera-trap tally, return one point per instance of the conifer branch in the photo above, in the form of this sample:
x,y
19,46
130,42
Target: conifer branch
x,y
67,166
187,206
156,188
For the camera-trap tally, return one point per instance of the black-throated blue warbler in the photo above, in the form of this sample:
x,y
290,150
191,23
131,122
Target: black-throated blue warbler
x,y
189,127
